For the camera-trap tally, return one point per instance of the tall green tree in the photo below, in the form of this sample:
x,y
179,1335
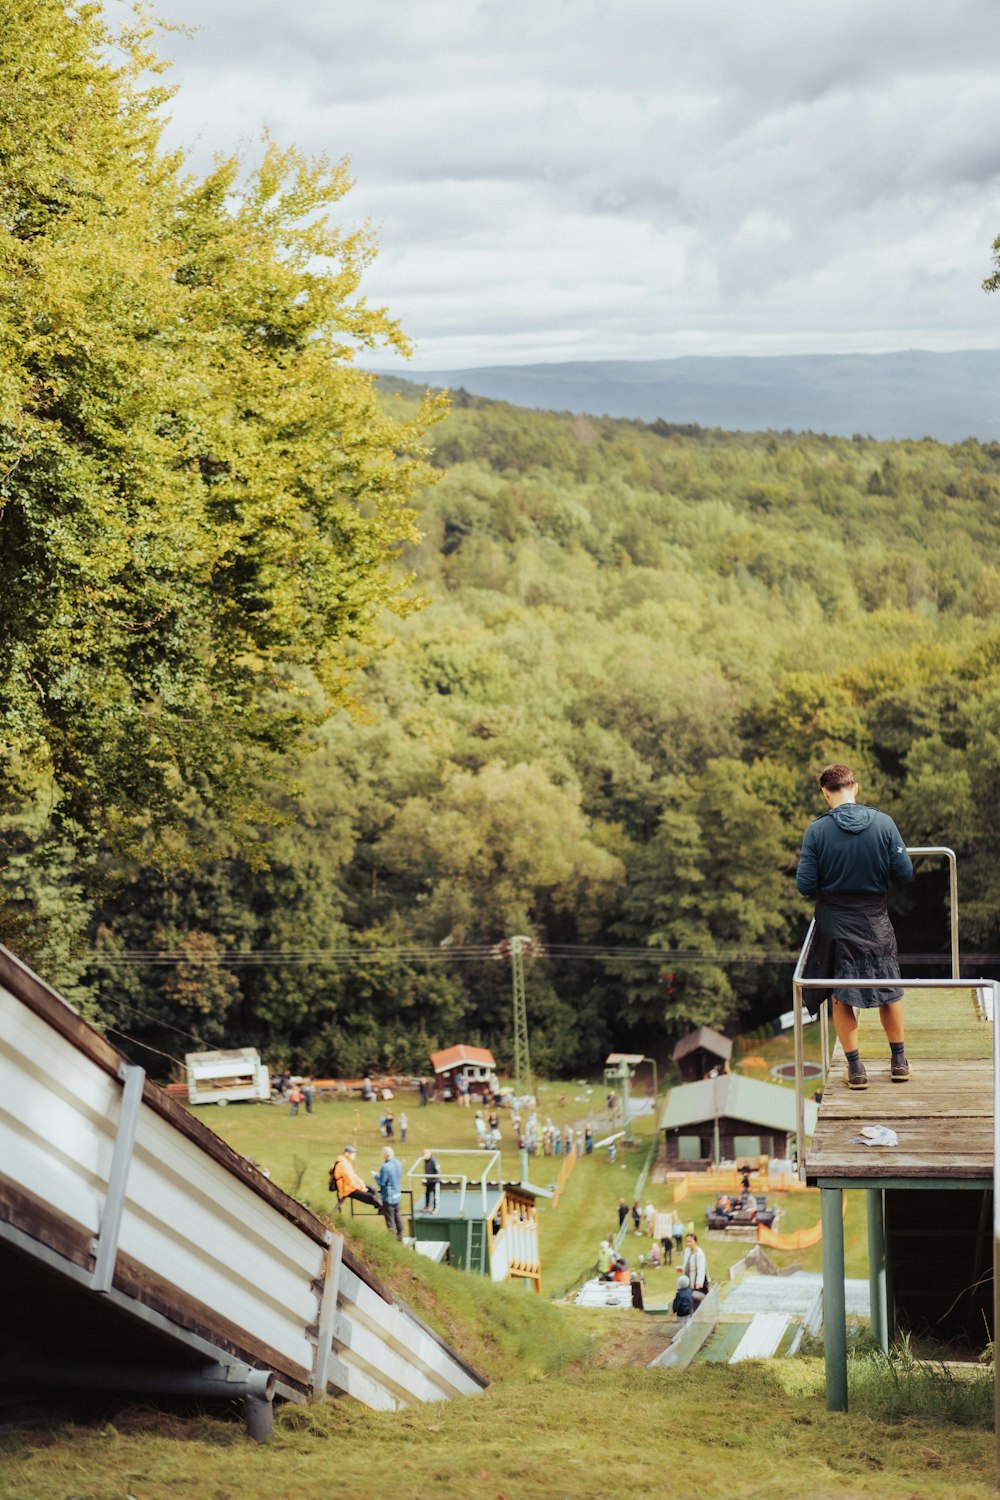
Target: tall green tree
x,y
201,499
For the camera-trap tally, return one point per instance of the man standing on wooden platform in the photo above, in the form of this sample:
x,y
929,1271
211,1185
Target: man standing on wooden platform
x,y
849,855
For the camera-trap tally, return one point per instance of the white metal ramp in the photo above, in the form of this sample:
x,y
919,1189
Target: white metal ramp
x,y
138,1251
762,1338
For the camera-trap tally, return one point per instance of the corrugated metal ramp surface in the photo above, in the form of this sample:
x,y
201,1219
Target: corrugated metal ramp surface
x,y
143,1212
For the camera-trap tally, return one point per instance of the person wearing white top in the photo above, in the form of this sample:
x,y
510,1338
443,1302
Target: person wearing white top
x,y
695,1267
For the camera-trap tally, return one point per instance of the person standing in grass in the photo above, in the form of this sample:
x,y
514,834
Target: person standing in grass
x,y
389,1179
695,1268
622,1211
849,856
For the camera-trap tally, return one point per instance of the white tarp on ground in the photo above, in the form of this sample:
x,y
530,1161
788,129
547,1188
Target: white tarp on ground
x,y
604,1294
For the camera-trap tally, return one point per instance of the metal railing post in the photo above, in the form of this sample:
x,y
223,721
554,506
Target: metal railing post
x,y
950,856
800,1083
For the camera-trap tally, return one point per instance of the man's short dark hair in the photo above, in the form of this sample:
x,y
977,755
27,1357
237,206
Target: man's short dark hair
x,y
834,778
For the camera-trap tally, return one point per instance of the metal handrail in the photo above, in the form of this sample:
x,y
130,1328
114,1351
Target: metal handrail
x,y
376,1213
462,1177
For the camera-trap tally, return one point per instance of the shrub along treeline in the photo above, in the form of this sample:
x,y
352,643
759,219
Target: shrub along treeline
x,y
640,643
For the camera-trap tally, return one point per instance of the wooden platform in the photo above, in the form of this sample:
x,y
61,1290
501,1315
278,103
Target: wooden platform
x,y
943,1116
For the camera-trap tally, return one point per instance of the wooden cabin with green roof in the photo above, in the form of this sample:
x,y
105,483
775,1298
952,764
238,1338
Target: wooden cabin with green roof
x,y
728,1118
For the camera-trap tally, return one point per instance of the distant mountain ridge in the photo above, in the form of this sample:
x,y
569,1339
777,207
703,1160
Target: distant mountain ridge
x,y
914,394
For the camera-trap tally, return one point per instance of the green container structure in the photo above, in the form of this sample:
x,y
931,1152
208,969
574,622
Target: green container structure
x,y
487,1227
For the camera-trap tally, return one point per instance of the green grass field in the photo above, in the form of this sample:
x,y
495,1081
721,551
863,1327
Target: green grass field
x,y
298,1150
567,1417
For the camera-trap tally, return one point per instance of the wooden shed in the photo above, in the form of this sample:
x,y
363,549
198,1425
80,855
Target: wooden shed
x,y
700,1051
729,1118
475,1065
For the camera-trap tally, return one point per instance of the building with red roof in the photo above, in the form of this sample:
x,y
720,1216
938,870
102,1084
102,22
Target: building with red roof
x,y
474,1065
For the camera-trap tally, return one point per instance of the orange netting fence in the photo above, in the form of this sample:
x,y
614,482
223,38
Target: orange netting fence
x,y
800,1239
729,1182
569,1162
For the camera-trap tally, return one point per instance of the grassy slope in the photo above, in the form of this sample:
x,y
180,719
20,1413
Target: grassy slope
x,y
552,1425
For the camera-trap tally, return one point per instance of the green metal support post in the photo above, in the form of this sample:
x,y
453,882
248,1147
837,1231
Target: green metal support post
x,y
834,1308
877,1268
625,1079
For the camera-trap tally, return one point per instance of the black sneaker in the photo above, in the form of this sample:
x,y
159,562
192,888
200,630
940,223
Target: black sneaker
x,y
857,1078
900,1070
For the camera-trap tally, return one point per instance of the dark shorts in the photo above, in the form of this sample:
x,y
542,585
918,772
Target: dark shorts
x,y
853,942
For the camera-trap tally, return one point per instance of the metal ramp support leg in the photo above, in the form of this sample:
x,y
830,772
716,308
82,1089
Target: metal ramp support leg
x,y
834,1306
877,1268
258,1413
327,1315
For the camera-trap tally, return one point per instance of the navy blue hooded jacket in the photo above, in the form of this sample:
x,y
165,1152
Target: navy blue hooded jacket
x,y
851,849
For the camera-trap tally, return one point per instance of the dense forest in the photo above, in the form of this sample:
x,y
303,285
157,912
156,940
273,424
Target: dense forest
x,y
637,645
310,694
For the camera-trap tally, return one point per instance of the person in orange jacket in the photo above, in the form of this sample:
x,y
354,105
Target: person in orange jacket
x,y
346,1182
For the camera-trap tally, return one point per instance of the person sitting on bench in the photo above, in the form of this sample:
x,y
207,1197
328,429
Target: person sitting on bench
x,y
346,1182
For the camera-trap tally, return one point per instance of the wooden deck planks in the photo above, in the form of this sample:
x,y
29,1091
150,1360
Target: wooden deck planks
x,y
943,1116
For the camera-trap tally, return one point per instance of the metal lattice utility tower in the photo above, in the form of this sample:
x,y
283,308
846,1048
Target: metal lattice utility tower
x,y
517,947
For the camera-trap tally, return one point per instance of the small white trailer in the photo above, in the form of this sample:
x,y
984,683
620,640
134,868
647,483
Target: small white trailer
x,y
226,1077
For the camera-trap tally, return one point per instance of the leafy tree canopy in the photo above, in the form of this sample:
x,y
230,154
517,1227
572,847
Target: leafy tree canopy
x,y
201,500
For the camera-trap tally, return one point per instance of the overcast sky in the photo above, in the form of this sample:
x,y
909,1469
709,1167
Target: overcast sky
x,y
633,179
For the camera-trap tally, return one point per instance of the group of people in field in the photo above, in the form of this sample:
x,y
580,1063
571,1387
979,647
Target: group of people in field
x,y
692,1270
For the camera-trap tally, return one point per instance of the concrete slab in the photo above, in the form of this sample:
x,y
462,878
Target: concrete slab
x,y
604,1294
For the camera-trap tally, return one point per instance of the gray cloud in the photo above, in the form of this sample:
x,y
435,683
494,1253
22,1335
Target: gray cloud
x,y
616,178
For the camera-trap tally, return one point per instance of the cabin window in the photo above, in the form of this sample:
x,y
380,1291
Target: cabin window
x,y
746,1145
689,1148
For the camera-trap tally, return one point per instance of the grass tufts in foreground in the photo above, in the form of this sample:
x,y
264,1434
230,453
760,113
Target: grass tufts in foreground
x,y
899,1385
717,1432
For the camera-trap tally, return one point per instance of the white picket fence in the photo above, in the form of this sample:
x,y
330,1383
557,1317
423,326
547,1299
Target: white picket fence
x,y
107,1181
